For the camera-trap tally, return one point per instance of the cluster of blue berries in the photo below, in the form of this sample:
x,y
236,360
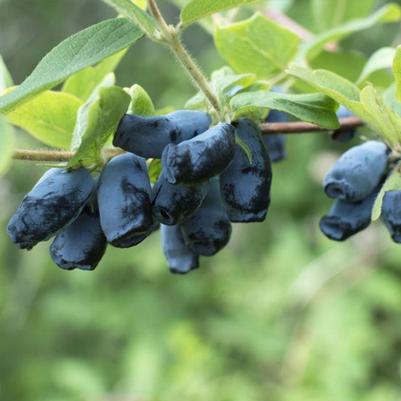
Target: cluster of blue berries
x,y
210,177
354,182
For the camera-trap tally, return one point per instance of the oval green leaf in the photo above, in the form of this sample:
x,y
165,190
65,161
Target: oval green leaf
x,y
81,50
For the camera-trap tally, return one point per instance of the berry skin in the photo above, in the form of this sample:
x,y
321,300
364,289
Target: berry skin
x,y
173,204
357,172
209,230
340,135
180,258
81,245
275,144
391,214
200,158
55,201
245,185
124,201
346,219
148,136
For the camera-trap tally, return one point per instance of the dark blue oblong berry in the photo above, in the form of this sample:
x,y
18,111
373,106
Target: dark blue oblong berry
x,y
208,230
173,204
180,258
346,219
148,136
200,158
123,196
55,201
275,144
341,135
357,172
391,214
81,245
245,184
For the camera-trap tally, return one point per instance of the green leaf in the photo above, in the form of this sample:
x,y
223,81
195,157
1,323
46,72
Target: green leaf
x,y
226,84
5,76
314,108
135,14
397,73
257,45
389,13
49,117
141,103
387,121
366,104
85,81
348,64
141,3
198,9
7,142
103,117
393,183
331,13
81,50
154,170
380,60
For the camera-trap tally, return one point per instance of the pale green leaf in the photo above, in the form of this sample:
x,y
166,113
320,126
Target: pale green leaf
x,y
226,84
198,9
141,103
81,50
380,60
7,142
103,116
83,119
393,183
257,45
49,117
387,121
348,64
85,81
314,108
397,73
5,76
141,3
331,13
135,14
366,104
389,13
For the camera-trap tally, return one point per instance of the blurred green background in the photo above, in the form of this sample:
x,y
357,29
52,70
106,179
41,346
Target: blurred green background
x,y
282,314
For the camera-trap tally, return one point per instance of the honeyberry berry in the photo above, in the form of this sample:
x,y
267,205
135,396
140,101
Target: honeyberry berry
x,y
148,136
276,144
357,172
55,201
180,258
346,219
172,204
200,158
391,214
81,245
245,183
123,196
209,229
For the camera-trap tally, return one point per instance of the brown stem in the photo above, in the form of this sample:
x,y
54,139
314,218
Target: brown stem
x,y
301,127
267,129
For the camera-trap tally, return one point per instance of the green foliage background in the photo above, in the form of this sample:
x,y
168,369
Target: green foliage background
x,y
281,315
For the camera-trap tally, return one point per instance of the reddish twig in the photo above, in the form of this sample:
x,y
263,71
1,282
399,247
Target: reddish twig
x,y
53,156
